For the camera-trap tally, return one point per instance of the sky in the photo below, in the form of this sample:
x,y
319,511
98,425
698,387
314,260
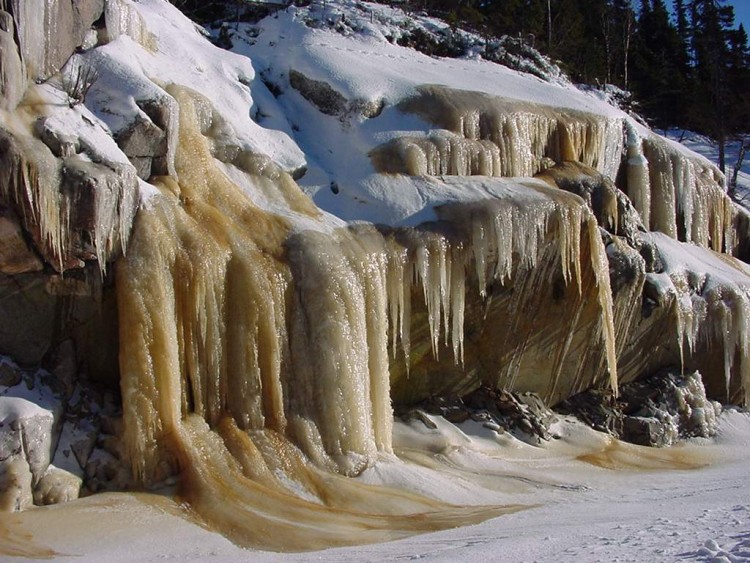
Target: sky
x,y
741,12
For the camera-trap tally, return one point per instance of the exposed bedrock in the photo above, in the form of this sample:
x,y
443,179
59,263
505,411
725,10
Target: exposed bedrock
x,y
331,102
49,31
533,331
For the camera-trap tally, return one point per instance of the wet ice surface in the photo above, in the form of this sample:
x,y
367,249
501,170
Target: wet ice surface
x,y
645,510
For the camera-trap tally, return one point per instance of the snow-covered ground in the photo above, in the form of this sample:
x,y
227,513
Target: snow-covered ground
x,y
585,499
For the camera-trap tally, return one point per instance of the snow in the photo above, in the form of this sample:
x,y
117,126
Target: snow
x,y
127,69
368,66
690,502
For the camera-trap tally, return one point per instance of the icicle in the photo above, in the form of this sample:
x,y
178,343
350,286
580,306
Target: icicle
x,y
482,135
458,297
122,18
601,271
638,175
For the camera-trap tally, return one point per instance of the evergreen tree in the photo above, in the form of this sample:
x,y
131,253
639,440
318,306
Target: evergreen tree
x,y
711,27
659,81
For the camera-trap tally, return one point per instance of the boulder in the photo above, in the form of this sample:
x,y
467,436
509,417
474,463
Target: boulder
x,y
331,102
56,486
26,430
647,431
612,208
60,144
652,411
145,145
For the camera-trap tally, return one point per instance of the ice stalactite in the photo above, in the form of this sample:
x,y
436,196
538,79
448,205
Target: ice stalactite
x,y
708,296
477,134
243,342
637,178
502,258
29,176
12,71
247,342
688,200
73,208
484,135
122,18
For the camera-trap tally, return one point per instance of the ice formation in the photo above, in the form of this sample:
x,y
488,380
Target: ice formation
x,y
263,341
74,207
711,302
122,18
230,320
489,136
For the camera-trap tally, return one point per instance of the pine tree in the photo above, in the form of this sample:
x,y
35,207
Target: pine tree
x,y
711,27
658,80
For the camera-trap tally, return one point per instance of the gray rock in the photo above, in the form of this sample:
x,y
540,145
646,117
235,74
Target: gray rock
x,y
612,208
103,199
26,430
10,374
318,93
143,166
650,253
141,142
331,102
44,53
626,266
647,431
652,411
146,139
60,144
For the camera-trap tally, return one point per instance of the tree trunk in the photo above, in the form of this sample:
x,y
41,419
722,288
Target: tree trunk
x,y
549,26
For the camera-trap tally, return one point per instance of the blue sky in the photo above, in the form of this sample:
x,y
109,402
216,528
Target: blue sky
x,y
741,12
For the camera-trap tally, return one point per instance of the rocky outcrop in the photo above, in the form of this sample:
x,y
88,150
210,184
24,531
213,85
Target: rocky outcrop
x,y
53,439
654,411
16,257
331,102
524,415
73,209
49,31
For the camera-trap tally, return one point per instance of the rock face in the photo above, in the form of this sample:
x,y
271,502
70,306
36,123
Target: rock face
x,y
331,102
49,31
15,255
52,439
